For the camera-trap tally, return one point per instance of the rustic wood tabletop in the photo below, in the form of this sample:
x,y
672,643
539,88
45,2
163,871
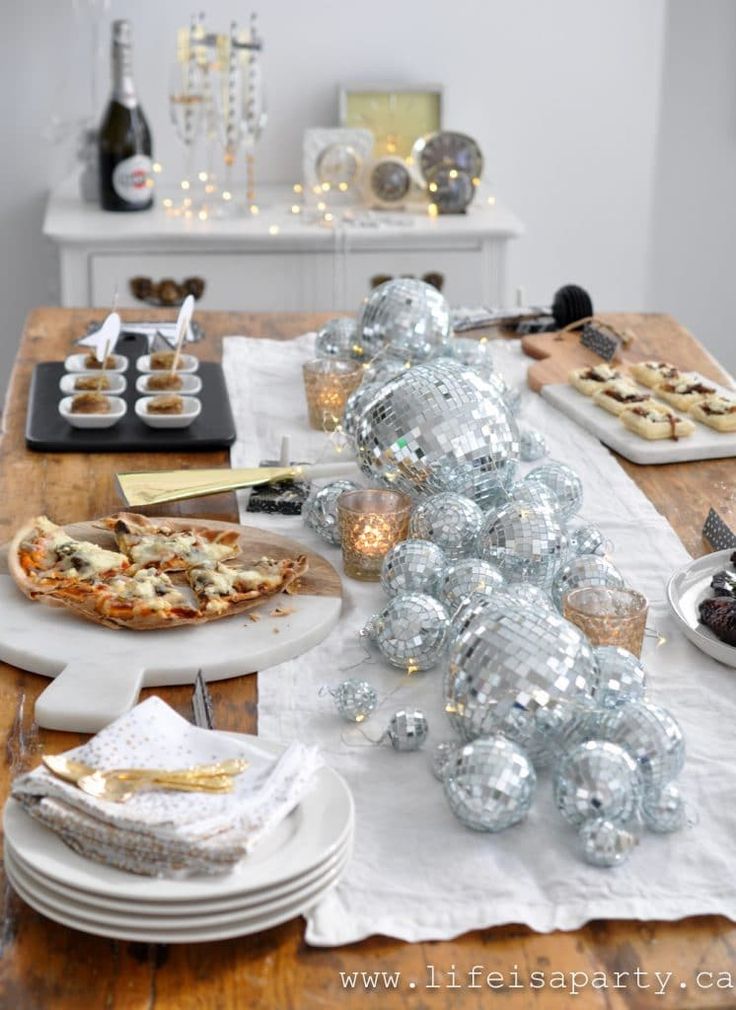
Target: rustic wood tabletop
x,y
45,965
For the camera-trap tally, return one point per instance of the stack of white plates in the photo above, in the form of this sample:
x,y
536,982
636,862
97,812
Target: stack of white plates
x,y
287,873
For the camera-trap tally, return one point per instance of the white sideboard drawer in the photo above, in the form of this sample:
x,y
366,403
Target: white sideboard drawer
x,y
236,281
288,281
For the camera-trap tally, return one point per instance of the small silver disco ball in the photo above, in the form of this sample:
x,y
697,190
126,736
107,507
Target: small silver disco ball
x,y
408,317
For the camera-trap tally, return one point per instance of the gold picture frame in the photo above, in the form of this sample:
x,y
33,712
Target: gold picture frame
x,y
396,114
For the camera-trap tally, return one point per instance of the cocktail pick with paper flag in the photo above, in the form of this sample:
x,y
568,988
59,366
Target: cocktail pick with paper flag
x,y
158,486
106,336
182,328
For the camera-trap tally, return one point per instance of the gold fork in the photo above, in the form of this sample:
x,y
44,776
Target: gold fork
x,y
117,790
72,770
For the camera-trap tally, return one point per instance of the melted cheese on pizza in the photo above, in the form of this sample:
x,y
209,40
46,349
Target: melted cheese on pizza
x,y
75,558
148,587
215,585
195,552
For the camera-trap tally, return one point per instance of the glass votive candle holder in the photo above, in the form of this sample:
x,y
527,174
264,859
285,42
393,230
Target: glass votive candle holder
x,y
608,616
327,385
371,522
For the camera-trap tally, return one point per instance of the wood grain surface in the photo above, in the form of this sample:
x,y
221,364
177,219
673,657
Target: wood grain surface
x,y
44,965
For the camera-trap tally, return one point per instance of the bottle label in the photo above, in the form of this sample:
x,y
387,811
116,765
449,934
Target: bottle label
x,y
132,179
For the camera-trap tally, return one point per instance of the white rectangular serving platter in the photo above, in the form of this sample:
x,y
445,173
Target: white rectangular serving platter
x,y
704,443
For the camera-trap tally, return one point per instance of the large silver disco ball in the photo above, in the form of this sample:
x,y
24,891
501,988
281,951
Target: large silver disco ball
x,y
408,317
356,403
526,542
439,428
338,338
508,666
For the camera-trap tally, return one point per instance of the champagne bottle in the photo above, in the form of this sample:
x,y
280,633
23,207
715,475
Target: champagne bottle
x,y
126,179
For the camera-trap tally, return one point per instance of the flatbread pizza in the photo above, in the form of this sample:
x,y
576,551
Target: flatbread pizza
x,y
163,575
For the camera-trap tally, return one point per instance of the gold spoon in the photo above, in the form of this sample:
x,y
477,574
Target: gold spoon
x,y
72,770
120,790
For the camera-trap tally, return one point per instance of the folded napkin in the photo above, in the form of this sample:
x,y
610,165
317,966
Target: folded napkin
x,y
164,832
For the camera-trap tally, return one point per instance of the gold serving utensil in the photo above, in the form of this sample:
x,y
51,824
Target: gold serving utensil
x,y
158,486
72,771
116,790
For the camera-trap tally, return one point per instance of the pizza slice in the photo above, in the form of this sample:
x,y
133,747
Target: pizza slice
x,y
168,548
146,599
221,589
43,557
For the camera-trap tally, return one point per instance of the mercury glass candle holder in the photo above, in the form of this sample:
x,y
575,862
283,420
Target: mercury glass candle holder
x,y
328,384
371,522
608,616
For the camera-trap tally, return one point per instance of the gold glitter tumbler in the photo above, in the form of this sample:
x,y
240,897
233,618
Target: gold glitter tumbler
x,y
328,384
371,522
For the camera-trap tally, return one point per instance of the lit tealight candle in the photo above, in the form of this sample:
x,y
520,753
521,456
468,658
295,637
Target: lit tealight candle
x,y
371,523
328,384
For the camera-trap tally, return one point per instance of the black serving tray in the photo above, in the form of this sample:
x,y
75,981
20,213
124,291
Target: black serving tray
x,y
47,431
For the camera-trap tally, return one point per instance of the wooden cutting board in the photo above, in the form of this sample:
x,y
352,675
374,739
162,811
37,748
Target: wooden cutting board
x,y
98,671
558,354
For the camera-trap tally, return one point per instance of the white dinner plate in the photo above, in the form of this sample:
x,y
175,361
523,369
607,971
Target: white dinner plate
x,y
195,934
687,588
311,833
196,909
181,918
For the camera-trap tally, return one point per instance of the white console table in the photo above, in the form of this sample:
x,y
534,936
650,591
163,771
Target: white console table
x,y
276,261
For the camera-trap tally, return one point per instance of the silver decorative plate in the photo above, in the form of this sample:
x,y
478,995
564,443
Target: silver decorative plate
x,y
686,590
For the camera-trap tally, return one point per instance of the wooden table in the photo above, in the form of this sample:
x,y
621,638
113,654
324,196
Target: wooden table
x,y
45,965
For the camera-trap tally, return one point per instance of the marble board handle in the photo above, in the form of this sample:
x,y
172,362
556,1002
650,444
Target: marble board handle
x,y
86,696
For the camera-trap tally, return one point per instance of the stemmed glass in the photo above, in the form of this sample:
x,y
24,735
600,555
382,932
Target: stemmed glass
x,y
226,98
186,103
254,115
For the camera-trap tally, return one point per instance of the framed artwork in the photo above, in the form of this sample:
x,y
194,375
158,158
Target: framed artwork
x,y
396,115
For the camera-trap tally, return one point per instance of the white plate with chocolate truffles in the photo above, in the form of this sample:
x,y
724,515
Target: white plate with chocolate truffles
x,y
162,361
168,382
112,383
650,411
702,596
91,409
168,410
116,363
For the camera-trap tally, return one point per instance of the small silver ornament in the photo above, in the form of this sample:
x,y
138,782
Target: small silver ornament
x,y
320,509
525,542
530,596
471,352
489,784
651,735
619,678
413,566
597,779
410,632
441,756
354,699
382,369
536,494
356,403
564,482
407,730
338,338
664,810
584,572
466,578
507,664
532,445
604,843
513,399
588,539
439,427
450,521
408,317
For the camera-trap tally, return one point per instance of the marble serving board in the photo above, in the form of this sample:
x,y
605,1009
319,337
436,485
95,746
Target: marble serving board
x,y
704,443
98,672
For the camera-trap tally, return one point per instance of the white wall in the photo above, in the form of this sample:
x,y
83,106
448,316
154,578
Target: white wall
x,y
562,96
693,252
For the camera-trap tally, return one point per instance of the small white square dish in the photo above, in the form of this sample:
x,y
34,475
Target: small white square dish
x,y
85,420
117,383
190,384
191,409
186,365
81,363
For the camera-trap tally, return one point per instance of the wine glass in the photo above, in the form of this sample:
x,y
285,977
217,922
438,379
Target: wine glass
x,y
254,115
186,103
226,103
